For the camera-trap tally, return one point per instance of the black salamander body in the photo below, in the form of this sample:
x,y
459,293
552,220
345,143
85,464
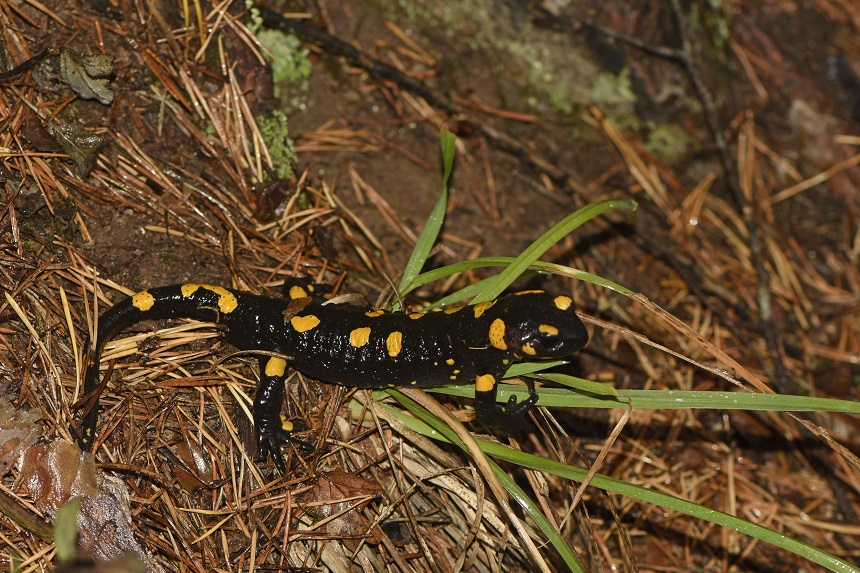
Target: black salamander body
x,y
358,347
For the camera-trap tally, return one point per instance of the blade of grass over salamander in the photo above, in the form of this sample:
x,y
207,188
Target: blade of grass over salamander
x,y
529,368
434,222
429,423
547,240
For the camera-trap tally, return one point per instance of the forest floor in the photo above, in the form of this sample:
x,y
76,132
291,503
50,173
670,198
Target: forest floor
x,y
152,143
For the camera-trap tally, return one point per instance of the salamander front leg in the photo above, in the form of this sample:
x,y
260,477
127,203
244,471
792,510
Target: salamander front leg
x,y
510,419
273,429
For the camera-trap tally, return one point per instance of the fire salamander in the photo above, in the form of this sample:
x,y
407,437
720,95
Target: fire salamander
x,y
357,347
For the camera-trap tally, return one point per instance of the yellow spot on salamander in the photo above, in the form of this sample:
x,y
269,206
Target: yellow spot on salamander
x,y
227,302
563,302
189,288
275,366
453,309
304,323
485,383
416,315
450,362
497,334
394,343
143,300
286,425
548,329
481,307
359,336
414,383
374,313
297,292
538,291
527,349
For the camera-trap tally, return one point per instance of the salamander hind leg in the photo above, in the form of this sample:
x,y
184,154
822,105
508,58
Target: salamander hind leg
x,y
273,429
510,419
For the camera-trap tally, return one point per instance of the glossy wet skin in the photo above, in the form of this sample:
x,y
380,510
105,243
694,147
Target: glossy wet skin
x,y
360,347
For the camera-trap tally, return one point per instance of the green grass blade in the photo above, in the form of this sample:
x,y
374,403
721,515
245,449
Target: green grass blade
x,y
537,266
468,292
594,395
464,293
434,222
448,141
561,229
534,511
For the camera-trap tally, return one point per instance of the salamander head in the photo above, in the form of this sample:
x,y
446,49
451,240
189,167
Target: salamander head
x,y
534,325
